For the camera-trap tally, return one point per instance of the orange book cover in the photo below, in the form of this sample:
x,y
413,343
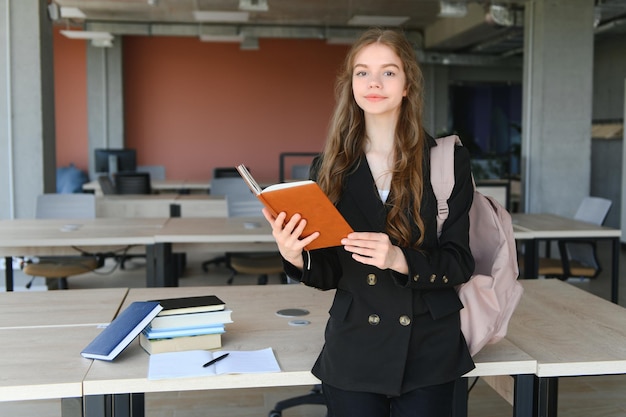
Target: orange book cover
x,y
308,199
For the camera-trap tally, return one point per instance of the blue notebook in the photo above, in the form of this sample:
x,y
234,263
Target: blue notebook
x,y
122,330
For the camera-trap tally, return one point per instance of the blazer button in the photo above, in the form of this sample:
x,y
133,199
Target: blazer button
x,y
445,279
405,320
416,277
371,279
433,277
373,319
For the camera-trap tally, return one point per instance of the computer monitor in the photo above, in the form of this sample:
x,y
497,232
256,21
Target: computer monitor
x,y
111,161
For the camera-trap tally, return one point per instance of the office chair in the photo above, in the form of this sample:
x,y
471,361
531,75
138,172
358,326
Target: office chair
x,y
314,397
225,172
56,269
132,183
106,185
578,258
242,203
220,172
300,172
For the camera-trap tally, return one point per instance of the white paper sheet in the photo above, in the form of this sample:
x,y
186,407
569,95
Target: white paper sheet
x,y
189,363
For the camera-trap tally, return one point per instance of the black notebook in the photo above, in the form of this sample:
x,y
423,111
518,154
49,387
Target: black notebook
x,y
122,330
184,305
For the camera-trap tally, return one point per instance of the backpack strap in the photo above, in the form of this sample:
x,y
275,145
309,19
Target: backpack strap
x,y
442,175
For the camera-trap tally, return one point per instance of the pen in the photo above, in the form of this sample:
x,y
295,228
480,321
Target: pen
x,y
212,361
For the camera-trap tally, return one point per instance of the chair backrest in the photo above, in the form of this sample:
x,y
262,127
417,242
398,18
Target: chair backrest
x,y
66,206
241,202
300,172
225,172
132,183
106,185
157,172
593,210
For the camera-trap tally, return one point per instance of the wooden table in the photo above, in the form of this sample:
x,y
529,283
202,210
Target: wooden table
x,y
255,326
159,205
60,308
172,186
209,235
42,334
552,227
570,332
37,237
43,362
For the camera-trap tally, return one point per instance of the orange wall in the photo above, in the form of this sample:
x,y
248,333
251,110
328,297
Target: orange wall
x,y
192,106
70,101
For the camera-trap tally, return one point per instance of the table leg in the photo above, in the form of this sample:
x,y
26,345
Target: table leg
x,y
72,407
523,395
8,273
547,396
615,271
160,268
531,259
115,405
98,406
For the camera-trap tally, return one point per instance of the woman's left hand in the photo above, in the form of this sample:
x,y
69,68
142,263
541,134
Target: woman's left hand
x,y
375,249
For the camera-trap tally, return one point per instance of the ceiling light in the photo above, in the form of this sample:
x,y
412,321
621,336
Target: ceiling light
x,y
253,5
452,9
86,34
221,38
363,20
102,43
202,16
72,13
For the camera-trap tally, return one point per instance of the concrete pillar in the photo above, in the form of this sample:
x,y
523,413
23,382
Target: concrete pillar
x,y
105,98
27,127
557,108
436,91
622,224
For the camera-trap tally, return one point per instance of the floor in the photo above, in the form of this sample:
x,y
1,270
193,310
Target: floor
x,y
578,396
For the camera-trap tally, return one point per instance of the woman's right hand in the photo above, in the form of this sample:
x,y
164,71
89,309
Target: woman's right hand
x,y
287,235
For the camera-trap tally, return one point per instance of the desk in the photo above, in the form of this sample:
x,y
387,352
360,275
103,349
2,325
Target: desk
x,y
44,363
172,186
42,334
570,332
35,237
552,227
183,234
255,326
158,205
60,308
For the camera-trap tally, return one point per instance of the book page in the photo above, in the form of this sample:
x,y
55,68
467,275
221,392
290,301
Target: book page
x,y
284,185
189,363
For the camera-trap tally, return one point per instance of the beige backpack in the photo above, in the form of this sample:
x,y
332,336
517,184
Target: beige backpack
x,y
492,293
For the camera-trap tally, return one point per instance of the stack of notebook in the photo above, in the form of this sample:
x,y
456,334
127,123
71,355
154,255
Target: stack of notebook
x,y
186,323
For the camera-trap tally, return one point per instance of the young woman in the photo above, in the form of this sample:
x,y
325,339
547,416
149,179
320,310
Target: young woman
x,y
393,344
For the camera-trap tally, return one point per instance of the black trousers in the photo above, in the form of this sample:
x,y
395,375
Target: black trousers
x,y
431,401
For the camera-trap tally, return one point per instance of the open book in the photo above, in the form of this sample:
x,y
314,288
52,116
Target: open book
x,y
308,199
190,363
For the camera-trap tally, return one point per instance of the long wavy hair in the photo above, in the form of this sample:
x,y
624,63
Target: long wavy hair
x,y
345,144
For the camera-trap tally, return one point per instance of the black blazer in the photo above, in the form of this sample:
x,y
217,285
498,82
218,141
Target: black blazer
x,y
390,333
